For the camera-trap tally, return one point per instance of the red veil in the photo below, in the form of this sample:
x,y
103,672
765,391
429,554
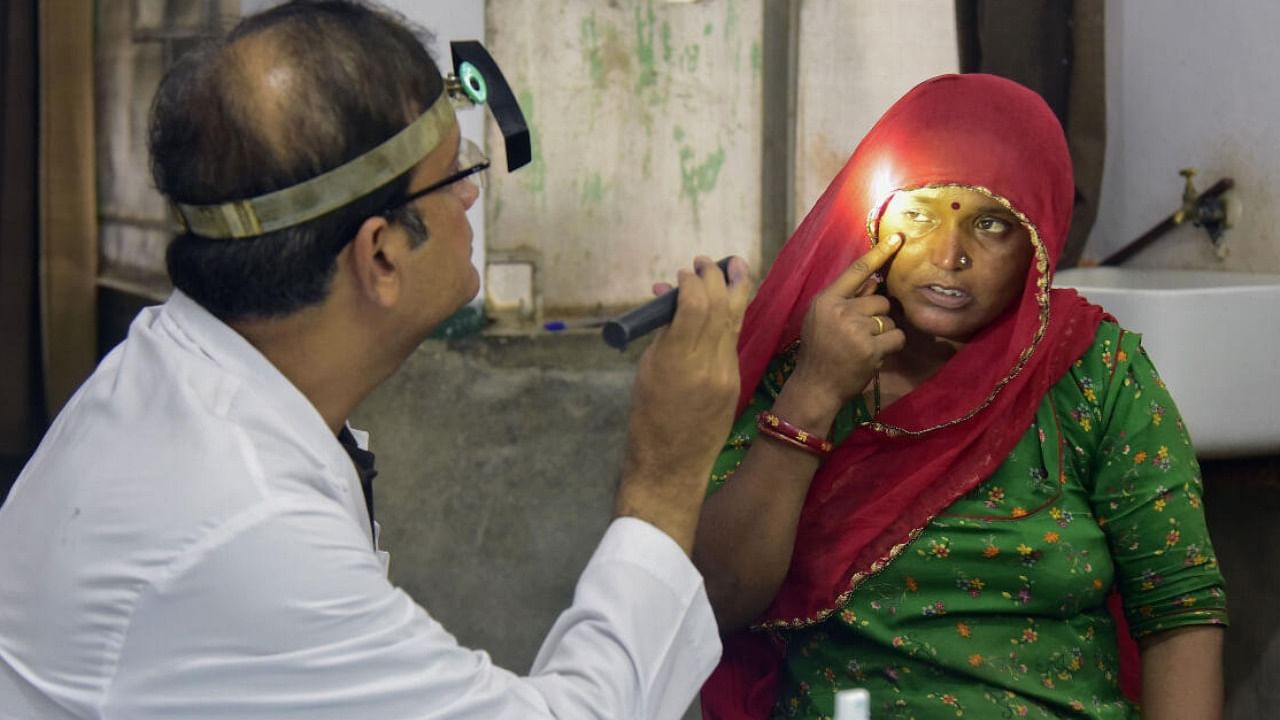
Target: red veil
x,y
887,480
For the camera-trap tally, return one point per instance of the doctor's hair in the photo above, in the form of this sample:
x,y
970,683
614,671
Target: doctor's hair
x,y
288,94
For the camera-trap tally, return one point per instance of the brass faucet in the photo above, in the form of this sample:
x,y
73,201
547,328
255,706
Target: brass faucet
x,y
1189,195
1207,210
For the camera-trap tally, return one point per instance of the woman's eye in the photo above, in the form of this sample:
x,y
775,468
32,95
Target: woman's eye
x,y
990,224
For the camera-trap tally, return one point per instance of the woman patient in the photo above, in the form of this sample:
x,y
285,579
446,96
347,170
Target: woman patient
x,y
1002,456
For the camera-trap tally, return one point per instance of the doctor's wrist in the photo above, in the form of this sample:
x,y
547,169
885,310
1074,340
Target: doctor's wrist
x,y
673,511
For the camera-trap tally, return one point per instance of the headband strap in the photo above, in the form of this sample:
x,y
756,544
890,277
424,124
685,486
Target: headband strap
x,y
323,193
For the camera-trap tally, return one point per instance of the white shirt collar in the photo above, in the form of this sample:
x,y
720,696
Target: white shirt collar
x,y
236,355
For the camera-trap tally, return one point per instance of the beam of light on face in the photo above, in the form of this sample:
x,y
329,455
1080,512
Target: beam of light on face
x,y
883,182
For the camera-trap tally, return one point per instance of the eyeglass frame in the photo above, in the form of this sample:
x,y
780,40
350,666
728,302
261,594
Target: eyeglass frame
x,y
445,182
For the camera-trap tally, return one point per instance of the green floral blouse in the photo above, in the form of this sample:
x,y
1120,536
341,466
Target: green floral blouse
x,y
998,608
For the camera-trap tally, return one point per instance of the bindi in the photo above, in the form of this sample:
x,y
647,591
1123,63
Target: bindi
x,y
955,206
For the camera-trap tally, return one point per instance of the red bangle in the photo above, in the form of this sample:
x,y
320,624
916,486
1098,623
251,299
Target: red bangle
x,y
776,427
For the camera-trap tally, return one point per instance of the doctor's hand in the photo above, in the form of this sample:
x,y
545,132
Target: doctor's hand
x,y
847,334
683,401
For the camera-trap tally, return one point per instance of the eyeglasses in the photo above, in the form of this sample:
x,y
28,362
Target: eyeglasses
x,y
473,162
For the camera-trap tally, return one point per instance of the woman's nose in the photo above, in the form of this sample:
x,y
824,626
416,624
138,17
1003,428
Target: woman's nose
x,y
946,249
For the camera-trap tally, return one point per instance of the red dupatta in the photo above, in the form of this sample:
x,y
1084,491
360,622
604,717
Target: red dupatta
x,y
887,480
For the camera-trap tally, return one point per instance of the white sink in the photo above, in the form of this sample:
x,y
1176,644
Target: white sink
x,y
1214,337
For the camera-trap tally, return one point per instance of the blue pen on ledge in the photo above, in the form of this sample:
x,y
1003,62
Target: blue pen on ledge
x,y
561,325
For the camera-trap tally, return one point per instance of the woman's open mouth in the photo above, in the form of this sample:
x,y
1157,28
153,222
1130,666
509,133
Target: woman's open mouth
x,y
945,296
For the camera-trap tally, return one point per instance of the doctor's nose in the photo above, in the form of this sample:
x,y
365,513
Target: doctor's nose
x,y
468,192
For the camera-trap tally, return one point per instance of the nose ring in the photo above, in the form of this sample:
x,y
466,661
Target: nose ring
x,y
965,261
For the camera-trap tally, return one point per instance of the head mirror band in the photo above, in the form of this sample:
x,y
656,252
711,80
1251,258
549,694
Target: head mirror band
x,y
326,192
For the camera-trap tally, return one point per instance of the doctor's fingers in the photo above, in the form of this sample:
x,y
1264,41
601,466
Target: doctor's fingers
x,y
701,307
691,311
739,297
739,289
718,301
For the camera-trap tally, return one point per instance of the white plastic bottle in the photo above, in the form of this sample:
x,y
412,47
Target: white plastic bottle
x,y
853,704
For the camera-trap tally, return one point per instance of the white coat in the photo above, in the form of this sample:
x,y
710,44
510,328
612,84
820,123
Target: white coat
x,y
190,541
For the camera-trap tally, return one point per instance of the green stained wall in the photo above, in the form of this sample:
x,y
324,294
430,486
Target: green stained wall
x,y
646,118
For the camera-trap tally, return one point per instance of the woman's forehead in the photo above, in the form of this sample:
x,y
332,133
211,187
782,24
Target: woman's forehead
x,y
952,194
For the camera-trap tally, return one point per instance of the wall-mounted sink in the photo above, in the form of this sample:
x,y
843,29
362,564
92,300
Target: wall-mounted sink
x,y
1214,337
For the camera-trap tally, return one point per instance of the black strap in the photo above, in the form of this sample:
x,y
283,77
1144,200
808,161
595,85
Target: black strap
x,y
364,462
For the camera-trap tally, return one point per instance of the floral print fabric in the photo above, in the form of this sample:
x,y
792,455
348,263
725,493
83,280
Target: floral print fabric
x,y
998,608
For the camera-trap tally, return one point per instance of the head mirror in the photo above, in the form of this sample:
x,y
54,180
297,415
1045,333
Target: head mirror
x,y
478,79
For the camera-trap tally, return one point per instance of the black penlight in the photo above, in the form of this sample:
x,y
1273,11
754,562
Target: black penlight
x,y
648,317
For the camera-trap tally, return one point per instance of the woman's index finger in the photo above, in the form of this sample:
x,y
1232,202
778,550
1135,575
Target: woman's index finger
x,y
859,271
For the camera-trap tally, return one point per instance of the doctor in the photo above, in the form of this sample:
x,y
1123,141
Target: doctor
x,y
193,538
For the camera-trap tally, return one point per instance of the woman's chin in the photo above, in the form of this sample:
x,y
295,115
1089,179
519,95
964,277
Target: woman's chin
x,y
941,324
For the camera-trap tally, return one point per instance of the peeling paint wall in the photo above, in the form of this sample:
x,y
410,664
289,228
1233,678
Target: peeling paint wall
x,y
856,58
645,122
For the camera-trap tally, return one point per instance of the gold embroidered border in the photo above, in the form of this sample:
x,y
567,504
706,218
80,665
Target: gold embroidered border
x,y
843,598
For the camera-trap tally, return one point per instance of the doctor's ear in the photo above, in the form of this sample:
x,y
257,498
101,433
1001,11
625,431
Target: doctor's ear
x,y
374,258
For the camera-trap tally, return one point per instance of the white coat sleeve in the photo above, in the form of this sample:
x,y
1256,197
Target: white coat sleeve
x,y
640,635
289,615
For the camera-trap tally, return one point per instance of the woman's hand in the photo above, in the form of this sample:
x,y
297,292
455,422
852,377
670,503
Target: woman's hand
x,y
847,333
748,527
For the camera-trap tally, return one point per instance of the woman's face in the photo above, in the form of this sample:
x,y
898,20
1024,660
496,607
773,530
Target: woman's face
x,y
964,262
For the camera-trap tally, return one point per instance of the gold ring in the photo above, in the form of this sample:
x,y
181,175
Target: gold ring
x,y
879,324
